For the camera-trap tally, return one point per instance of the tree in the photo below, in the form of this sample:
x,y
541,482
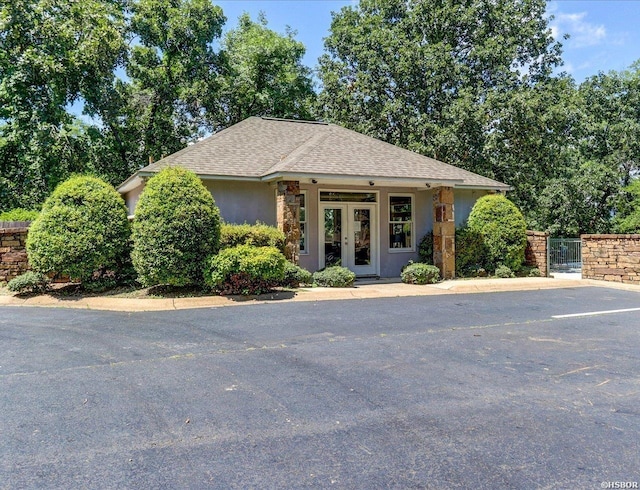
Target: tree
x,y
51,55
532,139
170,70
628,217
262,74
611,122
583,201
417,73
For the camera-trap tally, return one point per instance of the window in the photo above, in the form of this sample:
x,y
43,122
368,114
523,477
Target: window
x,y
303,223
339,196
400,222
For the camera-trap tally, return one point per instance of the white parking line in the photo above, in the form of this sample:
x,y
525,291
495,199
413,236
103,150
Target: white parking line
x,y
592,313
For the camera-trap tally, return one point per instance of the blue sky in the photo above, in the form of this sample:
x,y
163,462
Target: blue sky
x,y
605,34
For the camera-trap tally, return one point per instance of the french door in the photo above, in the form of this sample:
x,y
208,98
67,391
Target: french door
x,y
348,237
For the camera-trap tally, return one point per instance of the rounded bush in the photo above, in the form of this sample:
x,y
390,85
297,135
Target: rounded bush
x,y
258,235
503,230
176,226
334,277
29,282
82,228
472,255
504,272
419,273
245,269
295,275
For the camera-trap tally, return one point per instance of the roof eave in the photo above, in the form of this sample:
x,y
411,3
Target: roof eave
x,y
386,181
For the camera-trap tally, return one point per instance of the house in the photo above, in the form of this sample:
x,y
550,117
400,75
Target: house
x,y
340,197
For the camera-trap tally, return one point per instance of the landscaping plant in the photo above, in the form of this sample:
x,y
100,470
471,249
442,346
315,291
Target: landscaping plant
x,y
30,281
504,272
425,249
245,269
334,277
176,227
82,228
418,273
295,275
472,255
258,235
19,214
503,230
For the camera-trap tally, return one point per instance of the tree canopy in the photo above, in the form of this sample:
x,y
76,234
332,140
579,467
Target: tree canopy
x,y
150,76
473,83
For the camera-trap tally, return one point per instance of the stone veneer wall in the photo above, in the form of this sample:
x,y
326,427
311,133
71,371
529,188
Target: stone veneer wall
x,y
444,232
536,253
288,217
13,254
611,258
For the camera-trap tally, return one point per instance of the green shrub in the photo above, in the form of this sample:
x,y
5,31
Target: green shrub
x,y
472,255
19,214
425,249
82,228
418,273
245,269
503,230
334,277
258,235
504,272
31,281
176,226
295,275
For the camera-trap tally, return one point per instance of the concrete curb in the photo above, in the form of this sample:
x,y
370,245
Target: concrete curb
x,y
360,291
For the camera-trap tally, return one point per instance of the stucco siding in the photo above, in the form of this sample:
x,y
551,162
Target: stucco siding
x,y
131,199
241,201
246,201
464,199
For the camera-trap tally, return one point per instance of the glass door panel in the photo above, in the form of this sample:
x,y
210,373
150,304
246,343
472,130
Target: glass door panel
x,y
348,237
361,236
332,236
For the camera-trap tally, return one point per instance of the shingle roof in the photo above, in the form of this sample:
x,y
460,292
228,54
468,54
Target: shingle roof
x,y
260,147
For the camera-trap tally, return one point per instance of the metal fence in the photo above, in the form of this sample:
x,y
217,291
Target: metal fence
x,y
565,254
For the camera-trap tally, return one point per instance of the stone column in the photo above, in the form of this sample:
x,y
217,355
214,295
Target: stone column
x,y
288,217
444,232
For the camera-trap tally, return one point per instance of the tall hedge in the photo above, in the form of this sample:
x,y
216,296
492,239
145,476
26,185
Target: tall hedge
x,y
82,228
176,226
257,235
503,229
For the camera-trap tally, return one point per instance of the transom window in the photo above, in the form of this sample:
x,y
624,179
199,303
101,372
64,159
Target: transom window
x,y
401,222
348,196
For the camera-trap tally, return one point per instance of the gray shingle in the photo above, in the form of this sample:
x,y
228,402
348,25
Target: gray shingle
x,y
259,147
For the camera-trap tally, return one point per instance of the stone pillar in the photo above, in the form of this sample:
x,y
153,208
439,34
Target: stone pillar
x,y
444,232
13,253
537,253
288,217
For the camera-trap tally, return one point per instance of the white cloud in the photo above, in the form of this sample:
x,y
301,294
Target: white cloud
x,y
583,33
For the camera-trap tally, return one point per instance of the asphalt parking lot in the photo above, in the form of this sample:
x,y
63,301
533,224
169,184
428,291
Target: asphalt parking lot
x,y
497,390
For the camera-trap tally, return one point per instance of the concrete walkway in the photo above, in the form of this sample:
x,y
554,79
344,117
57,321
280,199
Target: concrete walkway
x,y
365,290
